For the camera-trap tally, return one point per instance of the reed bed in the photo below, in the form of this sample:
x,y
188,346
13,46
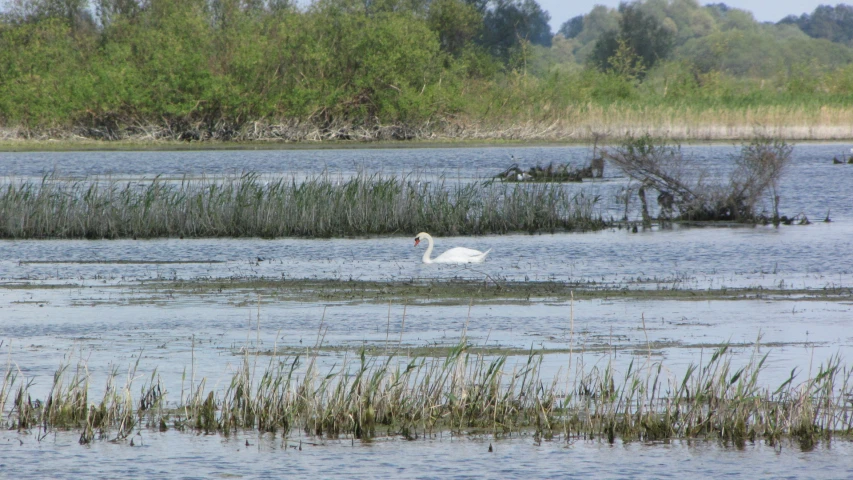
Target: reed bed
x,y
589,122
462,392
538,121
253,206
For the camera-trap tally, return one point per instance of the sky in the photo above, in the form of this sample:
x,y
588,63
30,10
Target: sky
x,y
763,10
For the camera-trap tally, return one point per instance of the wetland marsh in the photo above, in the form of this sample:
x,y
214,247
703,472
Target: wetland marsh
x,y
193,315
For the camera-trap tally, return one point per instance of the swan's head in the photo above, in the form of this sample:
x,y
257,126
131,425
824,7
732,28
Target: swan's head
x,y
420,237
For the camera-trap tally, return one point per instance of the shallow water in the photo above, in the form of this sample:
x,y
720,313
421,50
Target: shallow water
x,y
204,335
812,185
102,317
171,454
813,256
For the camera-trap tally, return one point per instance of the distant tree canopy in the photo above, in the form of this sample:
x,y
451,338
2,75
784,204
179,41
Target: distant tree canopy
x,y
508,23
572,27
644,36
220,64
832,23
75,12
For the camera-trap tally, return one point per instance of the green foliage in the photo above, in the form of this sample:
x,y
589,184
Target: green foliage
x,y
226,62
641,41
761,52
686,18
832,23
511,22
456,22
201,67
572,27
384,66
73,12
41,82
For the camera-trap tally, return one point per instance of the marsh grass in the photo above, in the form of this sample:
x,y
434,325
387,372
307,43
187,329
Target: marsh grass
x,y
67,406
364,397
252,206
533,120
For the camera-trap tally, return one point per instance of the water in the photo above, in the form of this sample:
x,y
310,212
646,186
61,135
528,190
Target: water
x,y
157,455
88,301
815,256
812,186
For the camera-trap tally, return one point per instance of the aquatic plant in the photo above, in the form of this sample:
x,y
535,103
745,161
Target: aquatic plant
x,y
462,392
254,206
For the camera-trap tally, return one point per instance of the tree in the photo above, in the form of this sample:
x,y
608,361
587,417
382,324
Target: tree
x,y
74,12
456,22
108,11
832,23
684,17
510,22
572,27
649,39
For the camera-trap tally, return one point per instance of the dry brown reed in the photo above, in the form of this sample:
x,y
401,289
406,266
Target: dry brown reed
x,y
576,122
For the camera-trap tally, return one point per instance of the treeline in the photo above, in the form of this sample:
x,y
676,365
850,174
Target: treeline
x,y
832,23
372,69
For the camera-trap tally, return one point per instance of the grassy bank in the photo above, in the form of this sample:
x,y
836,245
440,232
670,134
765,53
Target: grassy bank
x,y
462,392
251,206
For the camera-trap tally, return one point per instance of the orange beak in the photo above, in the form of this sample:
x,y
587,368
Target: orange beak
x,y
417,241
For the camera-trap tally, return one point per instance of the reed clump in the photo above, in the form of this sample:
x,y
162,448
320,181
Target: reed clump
x,y
67,406
252,206
366,397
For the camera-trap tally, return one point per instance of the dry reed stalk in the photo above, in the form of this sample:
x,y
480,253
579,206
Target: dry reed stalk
x,y
574,122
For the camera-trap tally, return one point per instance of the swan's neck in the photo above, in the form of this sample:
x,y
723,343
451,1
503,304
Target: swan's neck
x,y
428,252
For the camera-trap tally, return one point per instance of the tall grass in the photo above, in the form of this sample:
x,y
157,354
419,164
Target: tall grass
x,y
533,121
252,206
67,406
464,392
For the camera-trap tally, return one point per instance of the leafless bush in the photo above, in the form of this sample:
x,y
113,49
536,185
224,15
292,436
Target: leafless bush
x,y
683,185
758,170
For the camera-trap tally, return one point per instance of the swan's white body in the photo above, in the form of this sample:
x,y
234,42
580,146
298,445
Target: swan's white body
x,y
454,255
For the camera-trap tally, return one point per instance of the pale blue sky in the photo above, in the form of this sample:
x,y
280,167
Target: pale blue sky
x,y
763,10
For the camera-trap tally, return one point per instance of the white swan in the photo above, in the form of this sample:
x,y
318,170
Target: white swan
x,y
454,255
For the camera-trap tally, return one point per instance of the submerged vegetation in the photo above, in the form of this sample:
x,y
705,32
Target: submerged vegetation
x,y
251,205
460,291
463,392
